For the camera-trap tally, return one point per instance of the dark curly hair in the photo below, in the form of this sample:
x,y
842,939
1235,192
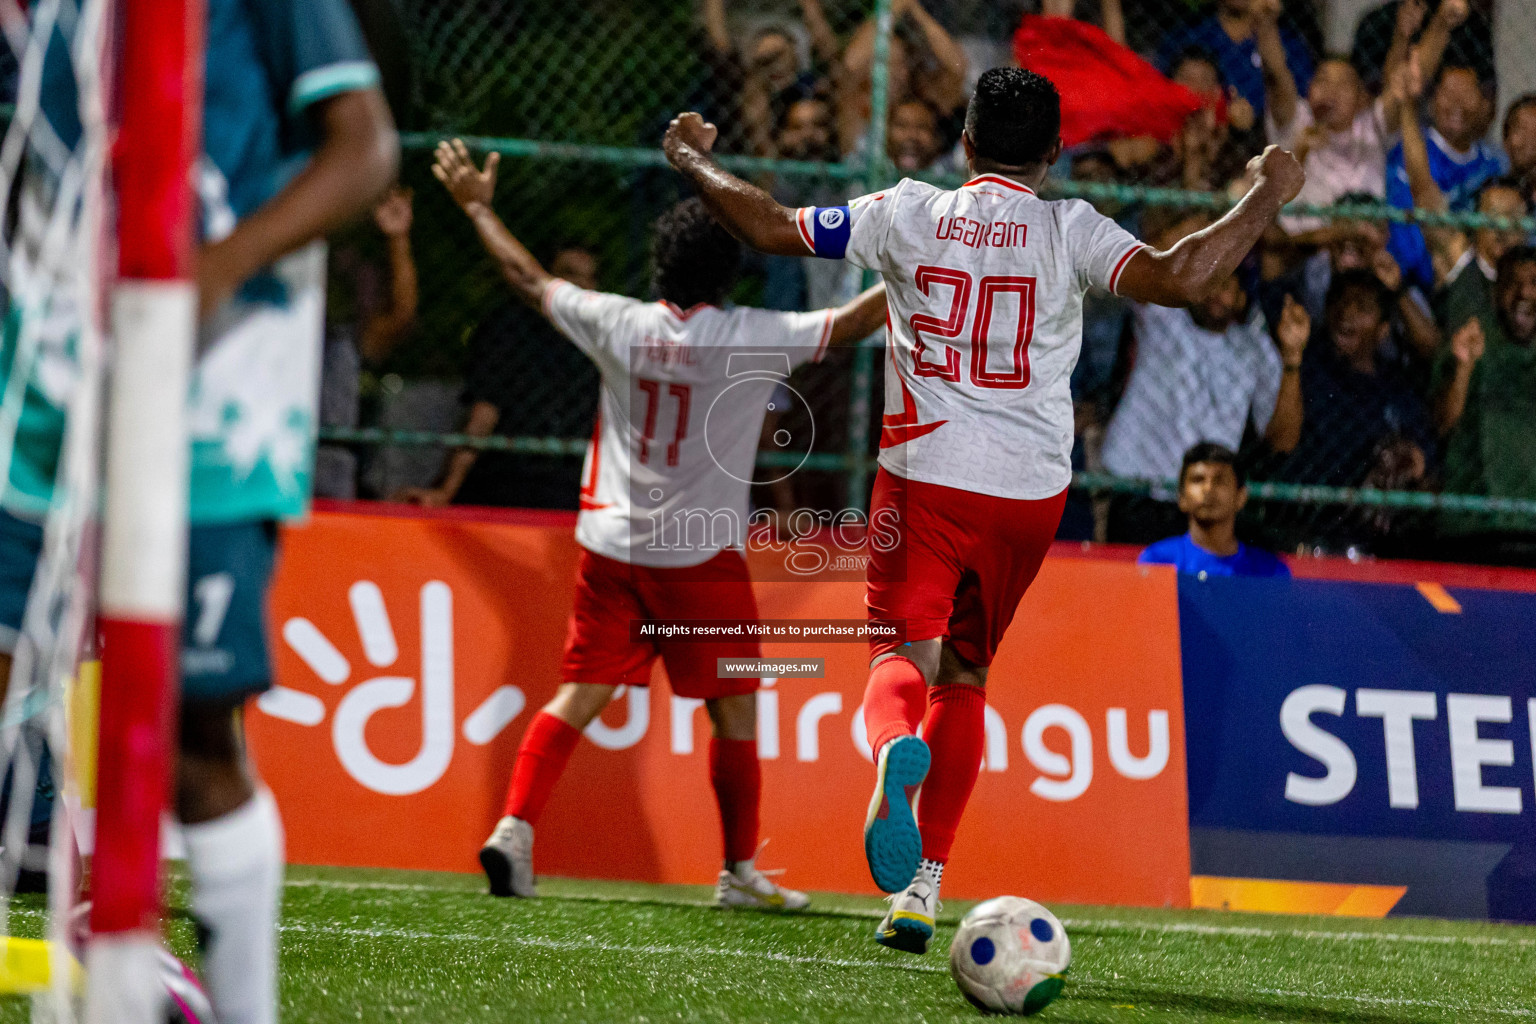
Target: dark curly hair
x,y
693,259
1014,118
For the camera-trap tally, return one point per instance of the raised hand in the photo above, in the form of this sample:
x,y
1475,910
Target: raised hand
x,y
466,183
1407,81
393,215
1387,270
688,132
1279,167
1266,10
1410,18
1294,332
1468,344
1240,113
1451,13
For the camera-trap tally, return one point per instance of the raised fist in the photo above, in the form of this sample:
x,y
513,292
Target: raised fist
x,y
1468,344
1278,167
688,131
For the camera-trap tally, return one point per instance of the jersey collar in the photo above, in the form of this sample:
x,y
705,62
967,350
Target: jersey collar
x,y
998,179
684,314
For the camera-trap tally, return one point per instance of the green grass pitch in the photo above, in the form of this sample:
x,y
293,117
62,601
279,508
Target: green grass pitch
x,y
418,948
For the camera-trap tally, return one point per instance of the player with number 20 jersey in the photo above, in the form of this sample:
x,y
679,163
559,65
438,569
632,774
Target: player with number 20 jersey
x,y
985,286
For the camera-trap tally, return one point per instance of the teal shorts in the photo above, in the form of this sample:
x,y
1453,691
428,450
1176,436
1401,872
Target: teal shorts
x,y
21,544
224,638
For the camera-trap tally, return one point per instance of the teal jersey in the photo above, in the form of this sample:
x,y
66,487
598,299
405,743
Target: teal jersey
x,y
255,386
44,285
255,389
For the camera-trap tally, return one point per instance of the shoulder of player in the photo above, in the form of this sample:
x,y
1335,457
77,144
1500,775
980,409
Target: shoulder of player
x,y
904,190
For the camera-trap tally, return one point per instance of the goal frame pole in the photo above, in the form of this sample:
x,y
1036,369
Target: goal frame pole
x,y
153,318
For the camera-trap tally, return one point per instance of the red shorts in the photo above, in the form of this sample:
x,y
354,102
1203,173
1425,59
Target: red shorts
x,y
599,647
961,564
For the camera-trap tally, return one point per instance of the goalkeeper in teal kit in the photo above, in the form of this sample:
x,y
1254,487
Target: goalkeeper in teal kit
x,y
296,141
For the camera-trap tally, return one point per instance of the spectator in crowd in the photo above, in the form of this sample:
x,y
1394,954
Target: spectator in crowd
x,y
1487,406
1337,132
1230,34
1104,315
1451,250
1467,374
806,132
1354,400
1468,287
514,355
1350,244
1464,36
1216,143
1202,374
777,65
364,332
925,64
1459,162
1520,144
914,143
1212,492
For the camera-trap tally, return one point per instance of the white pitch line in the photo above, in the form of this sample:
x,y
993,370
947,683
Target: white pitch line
x,y
1089,923
1247,931
572,945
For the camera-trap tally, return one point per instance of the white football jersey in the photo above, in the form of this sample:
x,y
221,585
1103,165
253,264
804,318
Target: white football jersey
x,y
985,286
684,393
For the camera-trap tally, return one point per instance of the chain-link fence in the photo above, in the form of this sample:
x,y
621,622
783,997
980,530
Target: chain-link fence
x,y
1340,362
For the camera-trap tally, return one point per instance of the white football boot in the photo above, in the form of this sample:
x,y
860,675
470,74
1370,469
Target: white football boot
x,y
908,925
507,858
754,890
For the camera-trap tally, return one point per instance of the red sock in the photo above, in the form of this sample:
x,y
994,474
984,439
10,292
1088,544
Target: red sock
x,y
738,782
955,730
894,701
541,759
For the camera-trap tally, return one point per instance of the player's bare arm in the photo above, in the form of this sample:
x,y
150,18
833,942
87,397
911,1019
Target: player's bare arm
x,y
1184,274
857,320
743,209
473,188
349,173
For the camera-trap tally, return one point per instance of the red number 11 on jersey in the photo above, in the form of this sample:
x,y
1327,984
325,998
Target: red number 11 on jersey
x,y
683,394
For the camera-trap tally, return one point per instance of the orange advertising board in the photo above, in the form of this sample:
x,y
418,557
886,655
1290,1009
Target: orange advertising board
x,y
410,653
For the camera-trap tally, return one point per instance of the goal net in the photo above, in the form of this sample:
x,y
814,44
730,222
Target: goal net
x,y
89,543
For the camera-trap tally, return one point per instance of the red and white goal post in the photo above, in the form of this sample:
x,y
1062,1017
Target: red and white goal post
x,y
153,323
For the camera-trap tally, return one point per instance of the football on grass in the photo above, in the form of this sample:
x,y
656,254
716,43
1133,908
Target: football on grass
x,y
1010,955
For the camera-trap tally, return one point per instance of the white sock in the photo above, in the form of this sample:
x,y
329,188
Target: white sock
x,y
740,868
932,872
236,864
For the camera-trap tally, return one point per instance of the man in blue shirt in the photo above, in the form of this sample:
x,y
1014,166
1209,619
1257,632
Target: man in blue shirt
x,y
1212,492
1229,35
1460,162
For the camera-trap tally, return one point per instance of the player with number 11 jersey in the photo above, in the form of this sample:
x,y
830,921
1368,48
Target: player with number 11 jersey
x,y
685,387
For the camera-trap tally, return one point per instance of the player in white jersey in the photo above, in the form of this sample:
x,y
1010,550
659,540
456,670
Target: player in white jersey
x,y
685,387
985,284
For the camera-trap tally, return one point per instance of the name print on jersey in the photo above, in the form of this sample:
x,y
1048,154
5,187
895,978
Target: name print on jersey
x,y
978,233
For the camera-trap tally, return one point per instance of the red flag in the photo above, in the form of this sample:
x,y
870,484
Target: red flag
x,y
1107,91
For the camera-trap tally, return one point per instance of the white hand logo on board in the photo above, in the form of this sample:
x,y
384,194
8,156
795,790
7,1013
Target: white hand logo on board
x,y
362,701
